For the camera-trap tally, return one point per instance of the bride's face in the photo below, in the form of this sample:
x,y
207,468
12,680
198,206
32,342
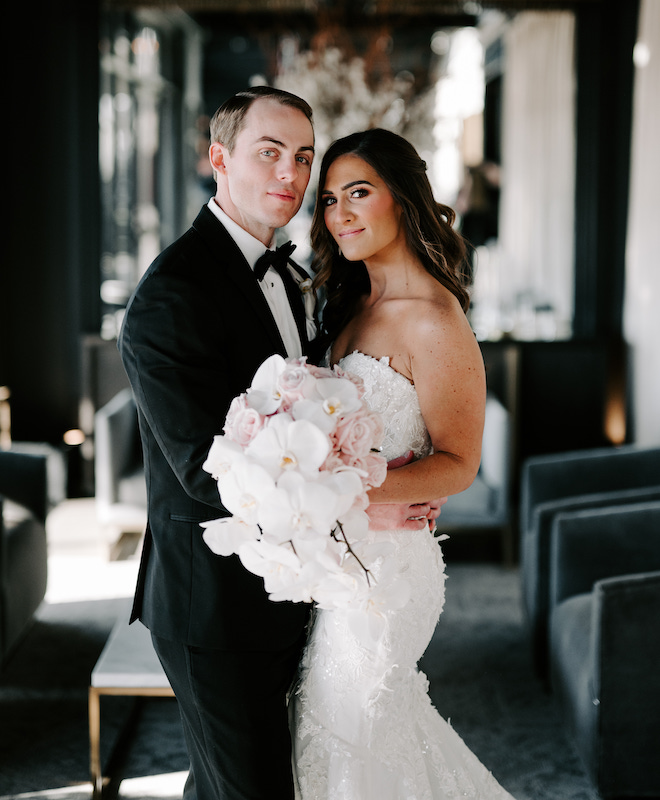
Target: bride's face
x,y
360,212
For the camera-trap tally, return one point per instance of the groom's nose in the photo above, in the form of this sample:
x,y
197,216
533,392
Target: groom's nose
x,y
286,169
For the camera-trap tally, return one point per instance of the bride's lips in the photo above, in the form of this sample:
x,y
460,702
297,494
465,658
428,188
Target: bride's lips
x,y
352,232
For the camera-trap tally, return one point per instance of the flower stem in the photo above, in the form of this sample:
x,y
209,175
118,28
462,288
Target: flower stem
x,y
350,549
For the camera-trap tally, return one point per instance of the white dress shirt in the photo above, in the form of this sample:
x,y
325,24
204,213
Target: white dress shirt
x,y
272,285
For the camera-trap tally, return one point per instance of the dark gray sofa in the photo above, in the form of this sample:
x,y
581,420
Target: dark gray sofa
x,y
605,642
564,482
24,504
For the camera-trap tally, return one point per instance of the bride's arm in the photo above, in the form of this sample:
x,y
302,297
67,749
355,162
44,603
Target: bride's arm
x,y
446,365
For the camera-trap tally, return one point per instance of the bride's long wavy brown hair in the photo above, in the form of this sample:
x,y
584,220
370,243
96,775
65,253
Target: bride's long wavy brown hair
x,y
428,227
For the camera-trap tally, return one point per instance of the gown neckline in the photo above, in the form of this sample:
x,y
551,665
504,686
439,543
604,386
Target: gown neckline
x,y
383,360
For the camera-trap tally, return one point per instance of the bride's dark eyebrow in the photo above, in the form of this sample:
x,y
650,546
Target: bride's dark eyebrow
x,y
349,185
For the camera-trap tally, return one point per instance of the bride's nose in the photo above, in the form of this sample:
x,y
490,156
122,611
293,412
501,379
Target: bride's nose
x,y
344,211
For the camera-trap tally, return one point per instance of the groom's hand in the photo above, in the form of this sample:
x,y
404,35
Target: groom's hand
x,y
397,516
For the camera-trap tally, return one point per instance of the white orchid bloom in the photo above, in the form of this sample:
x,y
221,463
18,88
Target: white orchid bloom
x,y
301,589
244,488
298,508
337,590
355,524
278,565
368,610
264,394
221,456
339,395
335,397
225,536
285,444
346,484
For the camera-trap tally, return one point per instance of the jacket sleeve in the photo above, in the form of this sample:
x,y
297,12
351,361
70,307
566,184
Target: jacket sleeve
x,y
178,357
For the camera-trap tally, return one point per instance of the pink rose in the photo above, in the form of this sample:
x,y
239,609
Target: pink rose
x,y
295,383
341,373
361,502
242,423
375,466
320,372
332,462
356,434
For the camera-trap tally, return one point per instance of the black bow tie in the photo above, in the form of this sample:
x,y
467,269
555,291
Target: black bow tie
x,y
273,258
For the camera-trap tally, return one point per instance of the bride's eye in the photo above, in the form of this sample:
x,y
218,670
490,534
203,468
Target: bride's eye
x,y
357,193
328,200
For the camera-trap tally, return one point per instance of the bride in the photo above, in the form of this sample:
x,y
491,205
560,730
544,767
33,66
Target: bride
x,y
363,725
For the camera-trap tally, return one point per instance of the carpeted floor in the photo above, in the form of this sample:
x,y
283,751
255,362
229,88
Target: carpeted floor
x,y
478,664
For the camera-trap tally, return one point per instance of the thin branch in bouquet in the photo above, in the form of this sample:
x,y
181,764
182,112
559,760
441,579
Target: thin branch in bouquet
x,y
349,549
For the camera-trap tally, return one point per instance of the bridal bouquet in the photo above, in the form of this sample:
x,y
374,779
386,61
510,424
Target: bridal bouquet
x,y
298,455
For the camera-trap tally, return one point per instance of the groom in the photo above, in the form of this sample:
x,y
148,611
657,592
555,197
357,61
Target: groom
x,y
197,327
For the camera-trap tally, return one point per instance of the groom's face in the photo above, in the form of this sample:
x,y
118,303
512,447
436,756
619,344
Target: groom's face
x,y
261,184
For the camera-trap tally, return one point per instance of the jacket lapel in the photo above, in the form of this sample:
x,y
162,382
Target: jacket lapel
x,y
230,260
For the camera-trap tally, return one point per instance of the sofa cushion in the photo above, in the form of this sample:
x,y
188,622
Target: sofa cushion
x,y
572,670
23,572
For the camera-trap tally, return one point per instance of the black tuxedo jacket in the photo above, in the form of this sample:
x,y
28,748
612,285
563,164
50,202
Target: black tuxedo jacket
x,y
195,331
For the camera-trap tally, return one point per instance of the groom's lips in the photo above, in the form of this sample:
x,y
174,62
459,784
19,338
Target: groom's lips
x,y
286,196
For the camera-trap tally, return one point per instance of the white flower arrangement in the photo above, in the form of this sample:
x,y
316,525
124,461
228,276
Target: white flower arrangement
x,y
298,455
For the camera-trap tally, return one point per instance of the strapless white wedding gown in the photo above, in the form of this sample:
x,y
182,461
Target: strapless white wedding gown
x,y
363,725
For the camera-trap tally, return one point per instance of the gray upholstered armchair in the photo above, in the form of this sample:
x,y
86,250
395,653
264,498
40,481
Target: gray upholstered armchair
x,y
23,547
121,493
605,642
564,482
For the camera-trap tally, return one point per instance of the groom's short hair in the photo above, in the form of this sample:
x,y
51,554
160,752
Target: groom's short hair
x,y
228,120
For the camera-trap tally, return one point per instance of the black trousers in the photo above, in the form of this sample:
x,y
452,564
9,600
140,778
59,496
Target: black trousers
x,y
235,721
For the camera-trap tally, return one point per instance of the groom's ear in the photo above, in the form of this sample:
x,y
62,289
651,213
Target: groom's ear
x,y
217,158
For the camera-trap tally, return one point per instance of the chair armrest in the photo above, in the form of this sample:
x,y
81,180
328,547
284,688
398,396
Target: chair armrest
x,y
626,641
626,654
581,472
117,445
535,544
592,544
24,480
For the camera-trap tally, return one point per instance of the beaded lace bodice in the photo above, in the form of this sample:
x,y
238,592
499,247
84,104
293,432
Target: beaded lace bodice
x,y
363,724
391,394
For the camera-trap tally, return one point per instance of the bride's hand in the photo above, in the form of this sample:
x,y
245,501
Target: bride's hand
x,y
397,516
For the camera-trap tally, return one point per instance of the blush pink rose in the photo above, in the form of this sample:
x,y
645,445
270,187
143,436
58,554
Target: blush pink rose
x,y
320,372
332,462
242,423
340,373
357,434
295,383
376,468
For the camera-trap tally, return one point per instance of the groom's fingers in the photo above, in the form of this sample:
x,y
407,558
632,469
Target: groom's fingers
x,y
436,506
397,516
